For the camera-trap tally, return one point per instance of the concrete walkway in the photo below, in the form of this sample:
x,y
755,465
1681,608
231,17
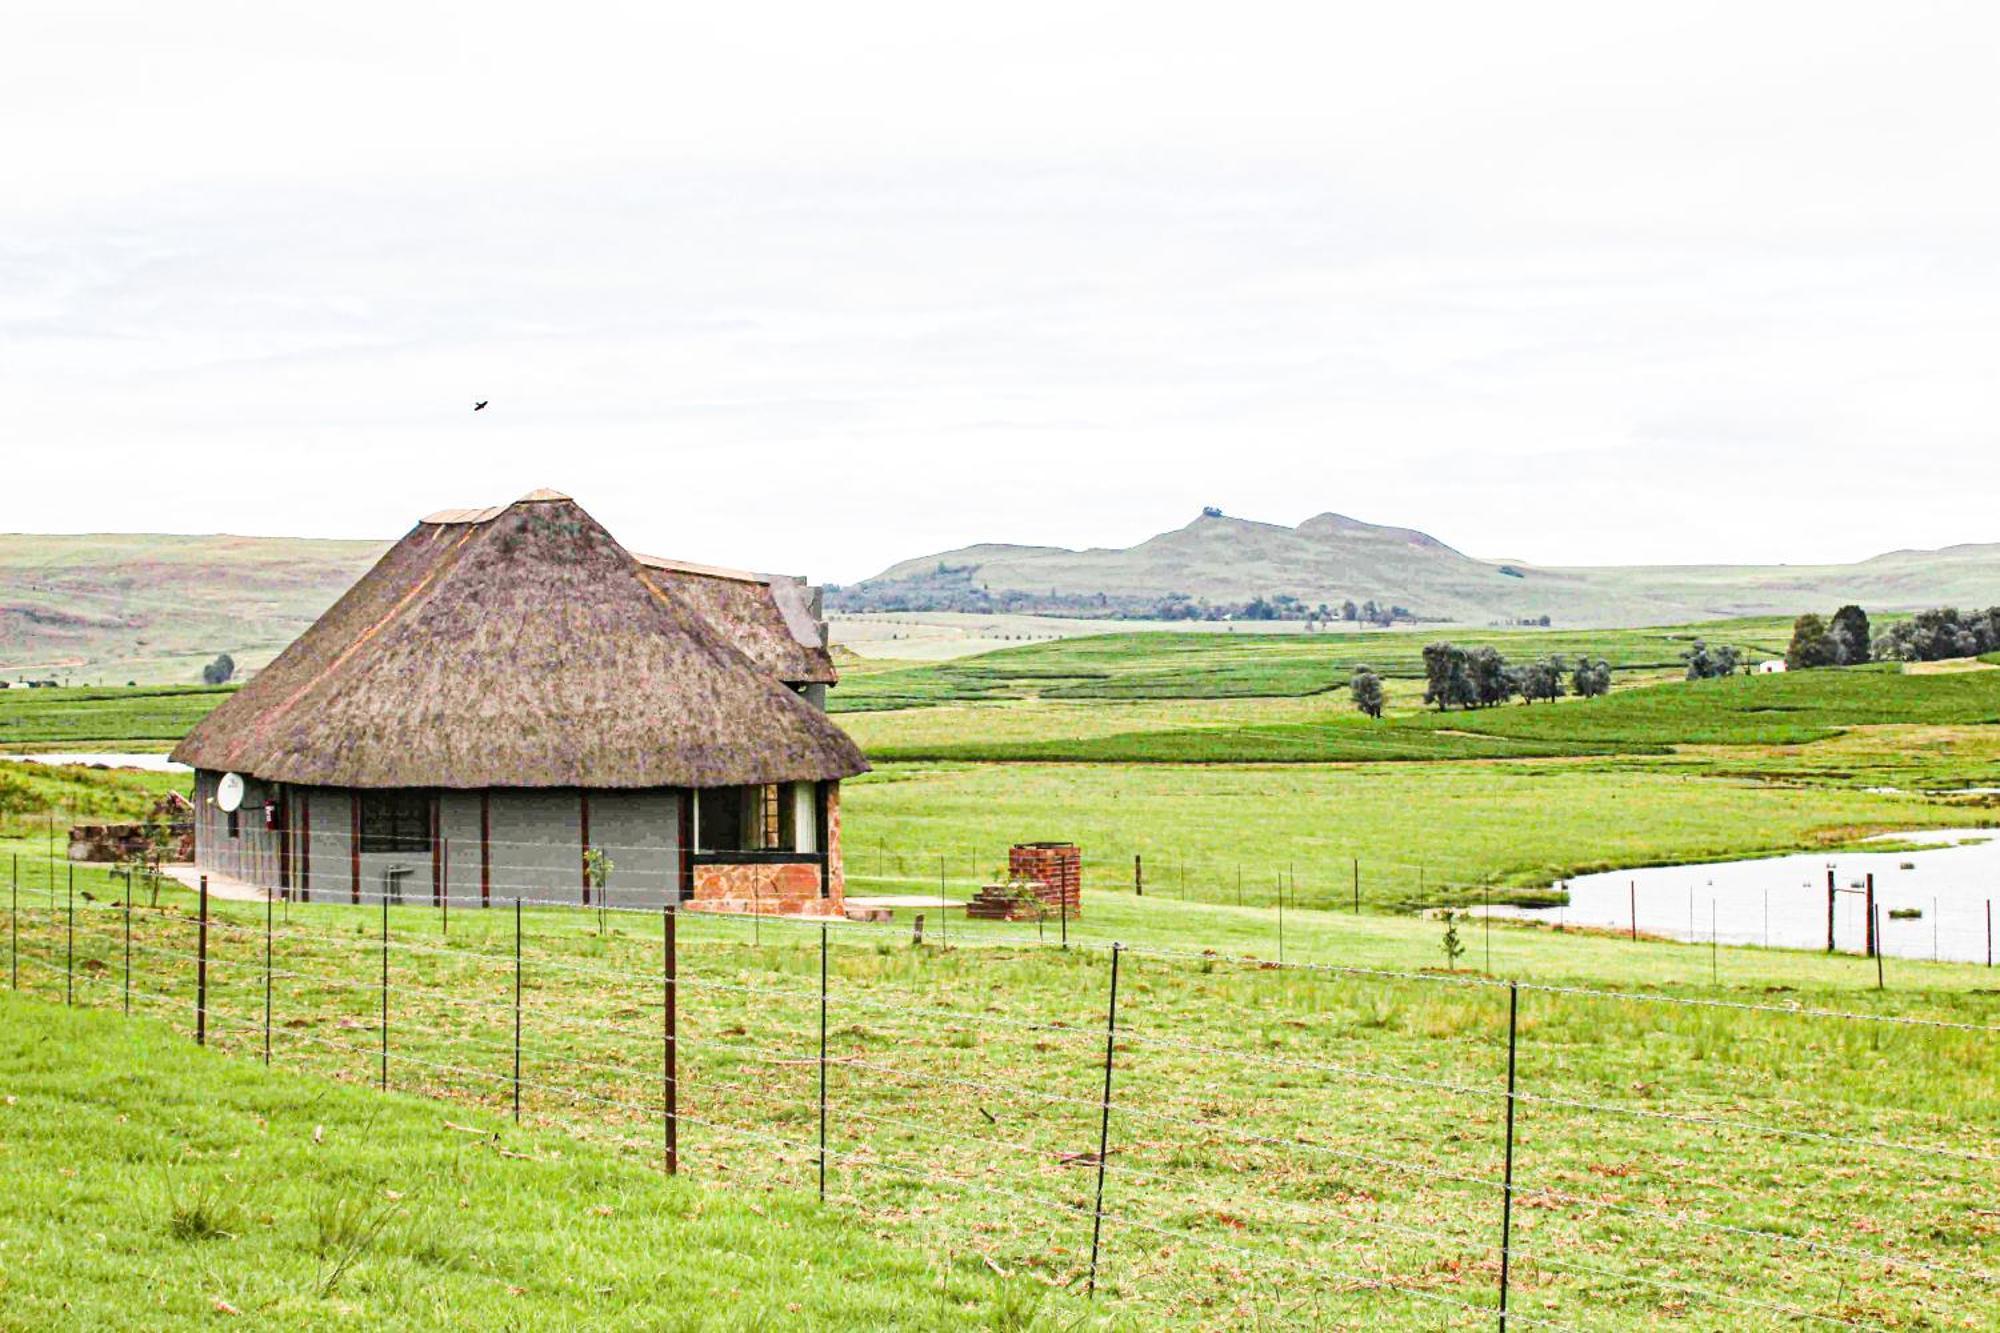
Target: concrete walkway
x,y
219,886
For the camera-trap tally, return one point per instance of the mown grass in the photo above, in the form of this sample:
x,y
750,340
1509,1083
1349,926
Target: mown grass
x,y
151,1184
1201,666
1289,1146
144,719
1795,708
1422,833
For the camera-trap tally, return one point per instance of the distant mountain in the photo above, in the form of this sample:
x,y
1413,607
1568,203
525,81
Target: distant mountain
x,y
1246,566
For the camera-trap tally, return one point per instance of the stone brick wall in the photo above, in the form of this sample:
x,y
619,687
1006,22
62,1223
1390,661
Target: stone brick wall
x,y
785,889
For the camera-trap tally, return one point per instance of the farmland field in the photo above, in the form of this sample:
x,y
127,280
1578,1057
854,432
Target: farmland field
x,y
1288,1144
1317,1142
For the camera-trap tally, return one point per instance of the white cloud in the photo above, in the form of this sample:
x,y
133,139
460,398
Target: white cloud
x,y
819,287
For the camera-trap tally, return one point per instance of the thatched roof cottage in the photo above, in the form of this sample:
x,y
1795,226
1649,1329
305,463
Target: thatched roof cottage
x,y
510,690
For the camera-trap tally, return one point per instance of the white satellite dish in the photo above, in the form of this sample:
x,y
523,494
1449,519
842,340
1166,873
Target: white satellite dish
x,y
229,793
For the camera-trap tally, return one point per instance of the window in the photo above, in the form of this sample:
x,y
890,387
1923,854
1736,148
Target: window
x,y
772,817
395,821
235,824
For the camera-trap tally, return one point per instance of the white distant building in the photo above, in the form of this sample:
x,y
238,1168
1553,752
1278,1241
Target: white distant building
x,y
1772,667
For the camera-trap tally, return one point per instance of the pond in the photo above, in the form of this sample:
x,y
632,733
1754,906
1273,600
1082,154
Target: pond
x,y
1935,903
151,763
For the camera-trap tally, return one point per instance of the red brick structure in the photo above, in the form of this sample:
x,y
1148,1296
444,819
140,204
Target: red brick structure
x,y
1056,868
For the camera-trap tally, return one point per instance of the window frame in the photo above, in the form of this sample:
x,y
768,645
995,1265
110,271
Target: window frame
x,y
408,820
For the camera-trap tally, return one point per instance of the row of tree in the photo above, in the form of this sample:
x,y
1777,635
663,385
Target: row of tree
x,y
1932,636
1459,677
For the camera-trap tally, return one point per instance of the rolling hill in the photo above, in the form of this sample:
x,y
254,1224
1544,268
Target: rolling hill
x,y
110,607
1332,558
105,608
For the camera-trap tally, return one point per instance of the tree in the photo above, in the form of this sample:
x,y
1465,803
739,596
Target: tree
x,y
1724,660
1446,681
1542,680
1454,947
1849,632
1349,611
219,672
1366,687
1590,679
1489,680
1811,646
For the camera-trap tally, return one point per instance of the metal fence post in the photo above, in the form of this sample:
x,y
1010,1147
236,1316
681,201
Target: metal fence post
x,y
517,1010
385,987
1507,1185
128,942
822,1063
1104,1123
14,920
201,971
270,901
69,944
671,1085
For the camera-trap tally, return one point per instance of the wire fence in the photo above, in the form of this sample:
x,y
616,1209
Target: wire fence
x,y
1189,1136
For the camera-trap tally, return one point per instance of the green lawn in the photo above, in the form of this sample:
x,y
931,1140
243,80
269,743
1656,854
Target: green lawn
x,y
144,718
151,1184
1289,1145
1193,666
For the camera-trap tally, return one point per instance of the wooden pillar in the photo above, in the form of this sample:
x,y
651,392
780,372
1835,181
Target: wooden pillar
x,y
437,850
583,851
354,841
685,879
304,893
485,848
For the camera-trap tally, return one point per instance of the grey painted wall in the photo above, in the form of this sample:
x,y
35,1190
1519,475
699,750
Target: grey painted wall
x,y
534,845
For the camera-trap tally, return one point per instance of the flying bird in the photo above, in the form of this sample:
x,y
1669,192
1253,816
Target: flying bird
x,y
480,406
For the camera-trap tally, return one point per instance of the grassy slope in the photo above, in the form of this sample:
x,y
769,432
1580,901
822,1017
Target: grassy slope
x,y
111,607
1277,1121
1191,666
146,719
151,1184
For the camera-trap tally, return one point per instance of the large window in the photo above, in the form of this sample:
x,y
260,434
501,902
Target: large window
x,y
395,821
774,817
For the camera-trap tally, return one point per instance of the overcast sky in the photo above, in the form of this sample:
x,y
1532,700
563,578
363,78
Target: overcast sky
x,y
818,287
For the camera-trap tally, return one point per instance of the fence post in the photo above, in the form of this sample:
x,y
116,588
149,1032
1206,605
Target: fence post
x,y
1062,900
14,921
1281,923
1104,1124
517,1010
69,944
270,906
1874,929
1714,961
1829,909
1507,1184
128,942
385,987
201,971
1989,932
671,1084
822,1063
1138,876
1632,906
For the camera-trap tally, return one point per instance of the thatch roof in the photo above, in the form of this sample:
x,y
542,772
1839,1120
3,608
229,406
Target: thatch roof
x,y
768,617
521,647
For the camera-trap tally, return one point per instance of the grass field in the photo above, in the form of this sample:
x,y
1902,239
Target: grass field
x,y
1245,664
1289,1145
154,1185
145,719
